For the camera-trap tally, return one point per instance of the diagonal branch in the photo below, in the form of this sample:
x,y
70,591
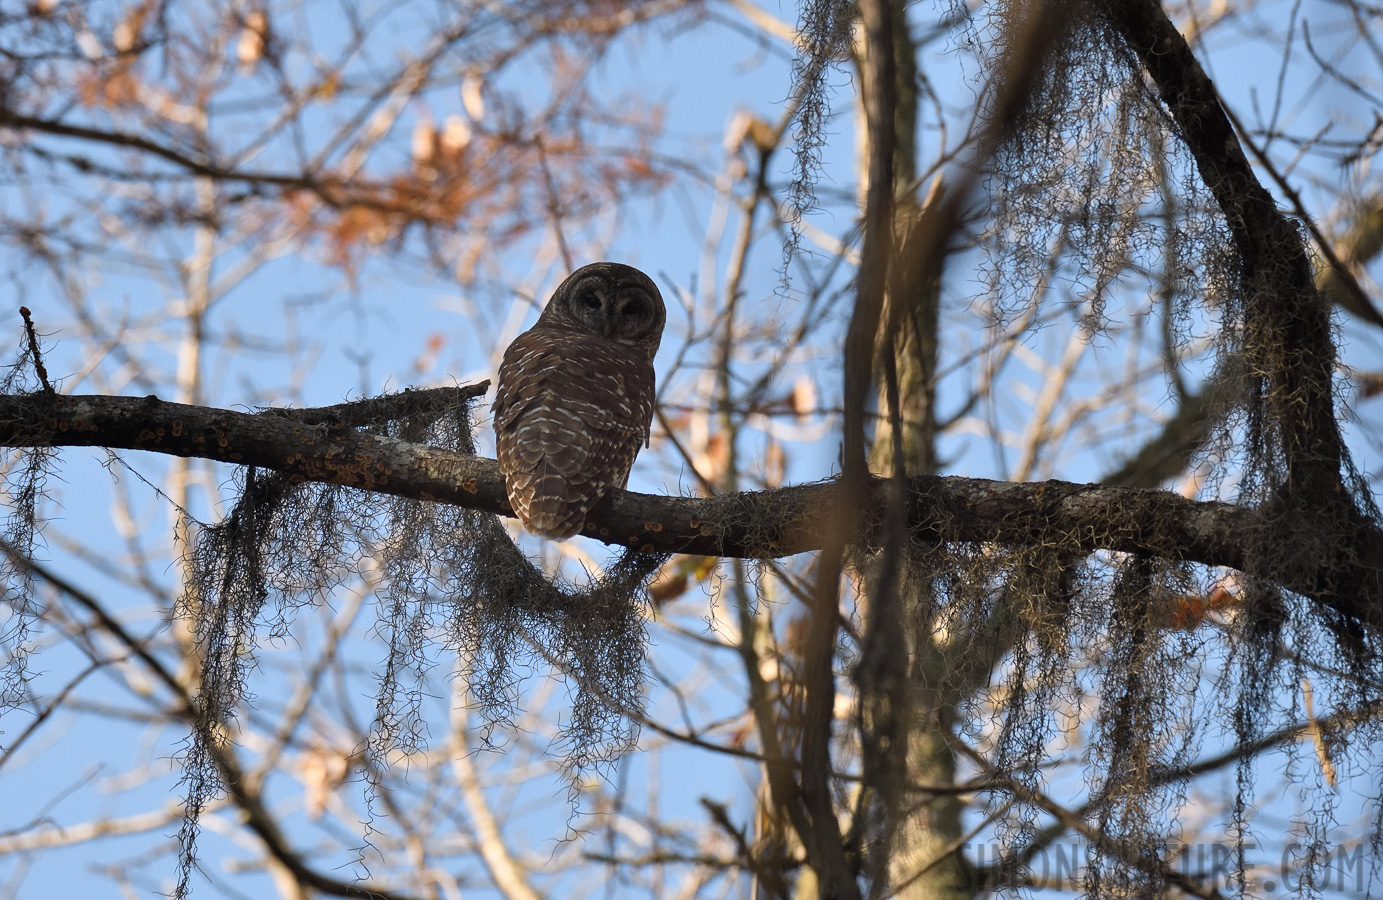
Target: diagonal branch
x,y
1293,346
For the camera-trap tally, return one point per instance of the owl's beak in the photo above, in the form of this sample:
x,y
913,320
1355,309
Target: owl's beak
x,y
608,328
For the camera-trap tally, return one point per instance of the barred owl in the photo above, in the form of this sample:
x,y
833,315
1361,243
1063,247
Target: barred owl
x,y
575,396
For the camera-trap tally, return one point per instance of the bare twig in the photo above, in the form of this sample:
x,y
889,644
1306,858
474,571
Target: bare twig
x,y
35,351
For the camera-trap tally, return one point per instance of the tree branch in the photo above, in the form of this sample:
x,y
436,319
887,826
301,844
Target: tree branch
x,y
1056,515
330,188
11,119
1295,346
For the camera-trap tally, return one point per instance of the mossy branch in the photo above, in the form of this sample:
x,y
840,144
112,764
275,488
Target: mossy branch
x,y
1292,343
1074,518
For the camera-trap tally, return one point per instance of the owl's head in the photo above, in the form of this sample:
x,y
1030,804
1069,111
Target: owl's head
x,y
612,300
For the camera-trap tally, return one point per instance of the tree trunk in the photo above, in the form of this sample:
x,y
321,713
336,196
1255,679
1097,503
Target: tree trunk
x,y
924,860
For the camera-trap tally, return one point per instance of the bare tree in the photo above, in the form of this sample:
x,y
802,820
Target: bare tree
x,y
926,678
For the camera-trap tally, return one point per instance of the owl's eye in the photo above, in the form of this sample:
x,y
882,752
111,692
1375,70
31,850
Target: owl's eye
x,y
591,300
632,309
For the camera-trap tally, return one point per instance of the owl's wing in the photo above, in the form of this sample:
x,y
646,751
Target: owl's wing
x,y
524,364
571,413
548,409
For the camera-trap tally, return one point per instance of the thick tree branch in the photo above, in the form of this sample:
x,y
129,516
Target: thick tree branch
x,y
1294,347
837,871
1074,518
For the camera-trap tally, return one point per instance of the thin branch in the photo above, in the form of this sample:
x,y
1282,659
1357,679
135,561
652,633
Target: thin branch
x,y
504,870
1354,298
1074,822
256,816
35,352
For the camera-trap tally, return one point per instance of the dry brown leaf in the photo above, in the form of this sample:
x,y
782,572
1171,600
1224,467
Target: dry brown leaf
x,y
804,396
254,37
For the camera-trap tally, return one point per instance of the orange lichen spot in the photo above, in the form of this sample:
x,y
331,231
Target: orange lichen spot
x,y
604,532
470,486
654,527
145,435
62,426
222,440
160,432
694,524
177,428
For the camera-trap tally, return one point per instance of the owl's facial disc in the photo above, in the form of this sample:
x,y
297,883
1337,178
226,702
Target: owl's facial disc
x,y
612,301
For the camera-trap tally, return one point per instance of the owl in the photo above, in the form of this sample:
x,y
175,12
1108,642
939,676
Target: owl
x,y
575,396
